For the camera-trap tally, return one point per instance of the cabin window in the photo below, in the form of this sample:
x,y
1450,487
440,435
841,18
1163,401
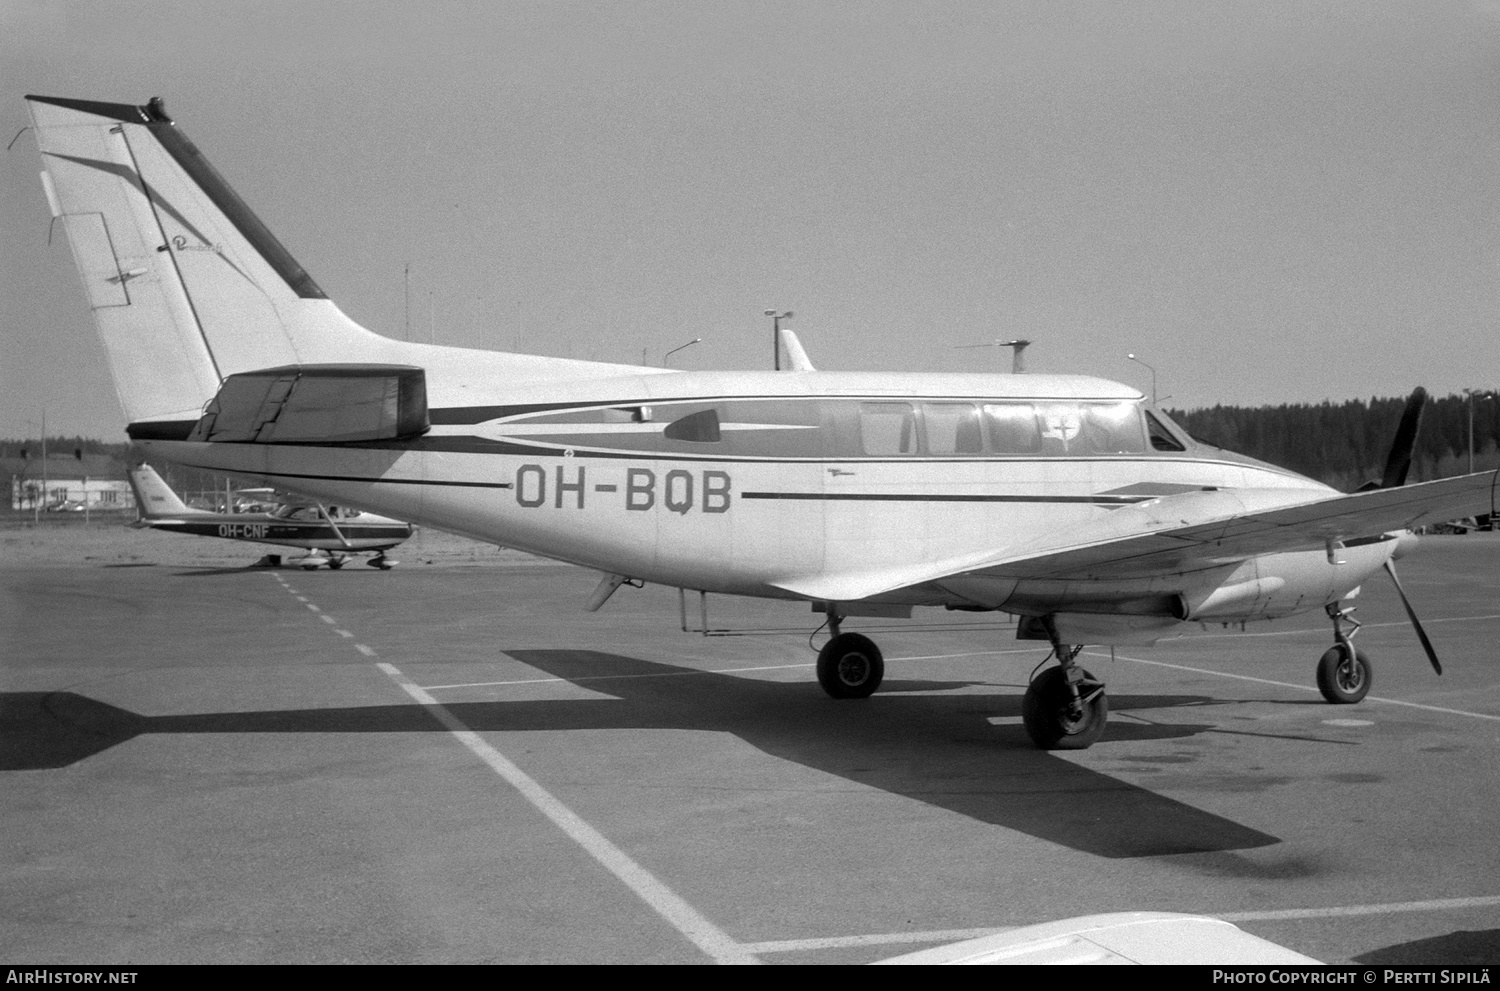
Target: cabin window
x,y
951,428
1162,439
1013,428
887,428
1113,429
1062,427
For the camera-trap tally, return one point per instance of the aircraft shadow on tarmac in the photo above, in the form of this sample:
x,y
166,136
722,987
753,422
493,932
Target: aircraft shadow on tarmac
x,y
938,749
1457,948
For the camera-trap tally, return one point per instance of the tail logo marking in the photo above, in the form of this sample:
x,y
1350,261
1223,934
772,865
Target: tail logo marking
x,y
181,244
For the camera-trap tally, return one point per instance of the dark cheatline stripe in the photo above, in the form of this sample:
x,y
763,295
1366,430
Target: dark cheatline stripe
x,y
1104,500
359,478
191,160
1361,541
300,531
161,430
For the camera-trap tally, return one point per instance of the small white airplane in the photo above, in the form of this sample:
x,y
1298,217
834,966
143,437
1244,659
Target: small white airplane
x,y
1065,500
331,534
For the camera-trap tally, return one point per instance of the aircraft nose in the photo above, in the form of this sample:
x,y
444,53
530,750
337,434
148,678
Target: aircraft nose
x,y
1405,544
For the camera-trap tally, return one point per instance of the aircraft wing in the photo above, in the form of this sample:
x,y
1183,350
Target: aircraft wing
x,y
1187,532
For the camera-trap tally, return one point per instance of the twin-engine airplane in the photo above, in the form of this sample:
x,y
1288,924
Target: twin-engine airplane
x,y
1066,500
331,534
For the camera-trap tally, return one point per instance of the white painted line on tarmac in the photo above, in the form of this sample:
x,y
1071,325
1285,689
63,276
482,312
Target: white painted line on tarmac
x,y
606,677
1383,908
344,633
1323,630
709,938
683,917
688,674
1302,688
329,619
972,653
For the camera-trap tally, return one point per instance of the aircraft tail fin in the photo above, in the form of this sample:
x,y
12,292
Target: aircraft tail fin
x,y
154,498
188,287
796,356
121,229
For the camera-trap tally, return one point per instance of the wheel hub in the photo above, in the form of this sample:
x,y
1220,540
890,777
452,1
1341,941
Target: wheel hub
x,y
854,669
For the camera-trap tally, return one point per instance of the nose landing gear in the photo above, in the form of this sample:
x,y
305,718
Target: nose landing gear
x,y
1344,674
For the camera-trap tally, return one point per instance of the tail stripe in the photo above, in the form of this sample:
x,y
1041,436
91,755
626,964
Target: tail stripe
x,y
187,155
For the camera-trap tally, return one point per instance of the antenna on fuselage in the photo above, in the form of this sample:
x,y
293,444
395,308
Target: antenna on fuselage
x,y
1018,352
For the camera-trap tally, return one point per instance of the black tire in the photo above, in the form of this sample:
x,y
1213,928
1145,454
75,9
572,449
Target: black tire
x,y
1044,710
335,563
850,666
1342,681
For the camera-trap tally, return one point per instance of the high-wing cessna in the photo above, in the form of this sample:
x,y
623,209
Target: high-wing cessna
x,y
332,534
1065,500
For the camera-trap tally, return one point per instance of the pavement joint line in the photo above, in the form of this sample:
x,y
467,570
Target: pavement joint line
x,y
1266,915
709,938
1303,688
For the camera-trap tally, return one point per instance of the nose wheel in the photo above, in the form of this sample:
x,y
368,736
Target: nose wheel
x,y
1344,673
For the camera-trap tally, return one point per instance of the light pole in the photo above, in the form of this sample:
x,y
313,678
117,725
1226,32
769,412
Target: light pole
x,y
1474,394
776,319
665,362
35,510
1153,376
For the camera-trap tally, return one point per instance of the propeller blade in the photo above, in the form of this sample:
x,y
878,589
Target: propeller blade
x,y
1411,614
1398,462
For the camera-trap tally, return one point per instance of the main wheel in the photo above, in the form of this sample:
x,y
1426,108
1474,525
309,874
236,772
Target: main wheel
x,y
1044,710
850,666
335,563
1344,674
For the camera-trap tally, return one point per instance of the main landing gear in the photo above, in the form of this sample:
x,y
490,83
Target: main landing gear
x,y
1065,707
849,665
1344,674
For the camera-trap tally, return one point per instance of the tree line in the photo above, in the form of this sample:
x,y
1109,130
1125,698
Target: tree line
x,y
1346,444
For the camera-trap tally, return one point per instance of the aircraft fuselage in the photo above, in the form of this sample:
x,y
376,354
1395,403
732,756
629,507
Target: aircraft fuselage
x,y
749,483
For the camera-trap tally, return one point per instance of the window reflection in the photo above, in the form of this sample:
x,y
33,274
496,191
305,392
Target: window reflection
x,y
952,428
887,428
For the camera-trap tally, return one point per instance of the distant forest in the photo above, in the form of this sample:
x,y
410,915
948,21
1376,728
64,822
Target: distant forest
x,y
1346,444
1342,444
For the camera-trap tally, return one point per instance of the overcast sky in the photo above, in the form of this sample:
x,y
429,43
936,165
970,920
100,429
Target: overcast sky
x,y
1269,202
